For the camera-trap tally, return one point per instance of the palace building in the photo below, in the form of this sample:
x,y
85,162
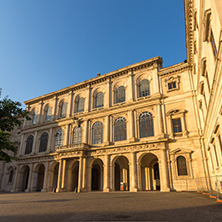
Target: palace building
x,y
141,127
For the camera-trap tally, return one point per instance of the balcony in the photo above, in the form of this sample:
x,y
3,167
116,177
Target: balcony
x,y
72,147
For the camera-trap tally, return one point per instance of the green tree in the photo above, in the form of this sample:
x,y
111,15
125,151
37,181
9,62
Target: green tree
x,y
11,114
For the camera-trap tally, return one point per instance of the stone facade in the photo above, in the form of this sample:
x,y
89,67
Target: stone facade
x,y
142,127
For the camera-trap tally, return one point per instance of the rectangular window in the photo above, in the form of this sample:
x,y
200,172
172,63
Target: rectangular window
x,y
172,85
177,125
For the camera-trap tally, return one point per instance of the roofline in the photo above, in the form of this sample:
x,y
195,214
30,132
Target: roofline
x,y
104,77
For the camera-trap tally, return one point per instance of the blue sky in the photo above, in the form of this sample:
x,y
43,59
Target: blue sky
x,y
46,45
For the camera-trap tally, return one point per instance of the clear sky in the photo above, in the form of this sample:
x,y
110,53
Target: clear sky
x,y
46,45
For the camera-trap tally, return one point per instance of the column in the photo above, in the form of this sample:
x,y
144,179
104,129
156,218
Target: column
x,y
16,180
164,168
30,182
108,94
139,170
85,138
170,127
131,128
46,175
80,174
20,152
34,144
160,121
69,107
59,175
130,88
155,85
147,178
107,129
63,174
66,142
50,141
55,100
106,187
88,99
184,125
84,175
39,119
133,172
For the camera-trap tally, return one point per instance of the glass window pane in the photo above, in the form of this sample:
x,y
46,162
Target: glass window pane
x,y
77,135
80,105
63,110
120,94
59,138
177,125
97,133
144,88
120,129
29,144
43,142
181,166
99,100
146,124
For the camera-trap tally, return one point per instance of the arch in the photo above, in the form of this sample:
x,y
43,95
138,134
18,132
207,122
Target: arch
x,y
59,138
97,133
80,104
120,129
73,175
146,125
97,175
47,113
99,99
149,172
11,174
39,174
144,88
53,176
34,116
24,178
120,173
181,166
62,109
43,142
29,144
77,135
120,94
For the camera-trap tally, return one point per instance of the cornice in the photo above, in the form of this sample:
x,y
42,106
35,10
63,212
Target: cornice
x,y
98,79
174,69
188,8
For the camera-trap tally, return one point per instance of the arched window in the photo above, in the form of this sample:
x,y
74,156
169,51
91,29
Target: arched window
x,y
48,113
34,116
59,138
80,105
10,176
144,88
99,100
146,124
120,94
29,144
181,166
120,129
77,135
97,133
43,142
63,109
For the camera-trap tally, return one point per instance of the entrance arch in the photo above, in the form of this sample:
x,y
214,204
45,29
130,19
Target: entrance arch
x,y
39,177
121,173
97,175
74,176
150,179
55,177
24,179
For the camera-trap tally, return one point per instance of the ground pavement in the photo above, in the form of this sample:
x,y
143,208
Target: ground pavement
x,y
113,206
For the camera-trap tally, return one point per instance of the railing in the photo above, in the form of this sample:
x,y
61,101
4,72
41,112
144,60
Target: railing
x,y
72,147
213,188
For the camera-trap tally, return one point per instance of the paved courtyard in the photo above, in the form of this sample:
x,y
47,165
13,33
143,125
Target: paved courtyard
x,y
118,206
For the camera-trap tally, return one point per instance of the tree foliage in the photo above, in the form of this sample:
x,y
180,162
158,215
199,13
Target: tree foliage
x,y
11,114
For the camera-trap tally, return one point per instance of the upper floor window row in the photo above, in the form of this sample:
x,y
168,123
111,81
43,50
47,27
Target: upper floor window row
x,y
120,97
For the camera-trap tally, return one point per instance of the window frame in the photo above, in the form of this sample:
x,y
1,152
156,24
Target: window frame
x,y
122,130
149,124
95,137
